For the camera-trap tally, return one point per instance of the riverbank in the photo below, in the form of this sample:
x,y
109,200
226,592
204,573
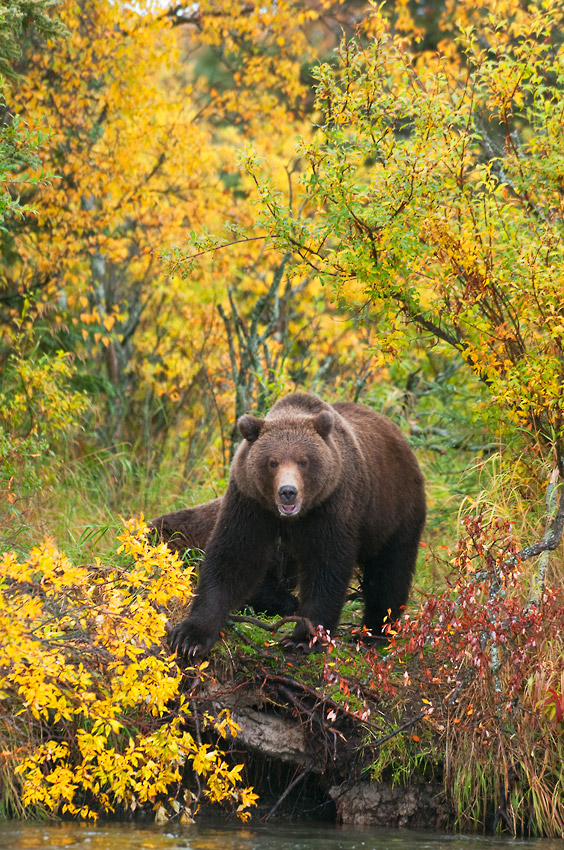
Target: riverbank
x,y
454,722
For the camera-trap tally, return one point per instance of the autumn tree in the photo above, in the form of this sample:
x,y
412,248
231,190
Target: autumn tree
x,y
432,193
147,110
21,441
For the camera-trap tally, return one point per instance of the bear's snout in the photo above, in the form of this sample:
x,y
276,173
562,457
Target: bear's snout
x,y
288,494
287,487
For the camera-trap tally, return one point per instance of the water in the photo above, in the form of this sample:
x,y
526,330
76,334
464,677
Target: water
x,y
16,835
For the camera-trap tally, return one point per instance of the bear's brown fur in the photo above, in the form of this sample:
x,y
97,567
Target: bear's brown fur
x,y
191,529
338,486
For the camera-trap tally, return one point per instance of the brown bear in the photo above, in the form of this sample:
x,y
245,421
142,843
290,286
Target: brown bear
x,y
191,528
338,486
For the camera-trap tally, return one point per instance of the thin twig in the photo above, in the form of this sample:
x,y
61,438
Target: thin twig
x,y
323,698
292,785
188,257
346,786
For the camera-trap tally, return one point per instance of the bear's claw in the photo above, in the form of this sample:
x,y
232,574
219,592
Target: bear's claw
x,y
187,644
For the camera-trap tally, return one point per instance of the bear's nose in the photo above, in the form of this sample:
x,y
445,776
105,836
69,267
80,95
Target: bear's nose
x,y
287,494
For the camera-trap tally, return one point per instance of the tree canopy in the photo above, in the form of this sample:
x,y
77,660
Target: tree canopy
x,y
432,192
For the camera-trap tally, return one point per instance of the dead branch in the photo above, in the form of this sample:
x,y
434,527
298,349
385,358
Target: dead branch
x,y
292,785
320,697
553,535
272,627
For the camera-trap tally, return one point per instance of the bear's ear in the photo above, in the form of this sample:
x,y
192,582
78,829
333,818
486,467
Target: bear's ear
x,y
323,423
250,427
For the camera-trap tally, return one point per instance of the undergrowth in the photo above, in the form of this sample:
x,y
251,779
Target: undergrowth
x,y
479,670
92,715
95,713
469,691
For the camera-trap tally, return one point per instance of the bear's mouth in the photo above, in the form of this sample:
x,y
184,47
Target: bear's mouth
x,y
289,510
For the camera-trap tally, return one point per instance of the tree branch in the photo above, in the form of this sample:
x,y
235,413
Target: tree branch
x,y
553,535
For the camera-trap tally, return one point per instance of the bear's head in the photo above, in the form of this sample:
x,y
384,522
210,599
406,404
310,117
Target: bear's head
x,y
289,464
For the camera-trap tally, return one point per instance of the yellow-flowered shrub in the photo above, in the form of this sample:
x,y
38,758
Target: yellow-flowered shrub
x,y
92,718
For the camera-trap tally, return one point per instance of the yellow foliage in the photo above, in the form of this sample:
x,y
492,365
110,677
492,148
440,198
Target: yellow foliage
x,y
91,710
434,187
147,110
40,401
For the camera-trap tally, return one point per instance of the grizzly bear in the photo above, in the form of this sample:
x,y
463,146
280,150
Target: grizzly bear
x,y
338,486
191,528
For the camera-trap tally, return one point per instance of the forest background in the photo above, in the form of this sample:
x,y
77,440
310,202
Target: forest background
x,y
206,207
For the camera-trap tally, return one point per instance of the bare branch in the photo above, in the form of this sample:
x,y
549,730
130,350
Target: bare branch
x,y
552,537
272,627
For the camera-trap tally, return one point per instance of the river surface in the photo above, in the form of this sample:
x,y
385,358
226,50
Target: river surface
x,y
17,835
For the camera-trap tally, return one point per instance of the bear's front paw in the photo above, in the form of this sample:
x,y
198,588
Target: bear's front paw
x,y
306,637
303,644
190,641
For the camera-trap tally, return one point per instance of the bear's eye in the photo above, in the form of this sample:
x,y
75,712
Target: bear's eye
x,y
273,463
302,462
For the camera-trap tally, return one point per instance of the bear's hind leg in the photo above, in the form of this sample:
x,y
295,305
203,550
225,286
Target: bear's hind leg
x,y
387,580
274,597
